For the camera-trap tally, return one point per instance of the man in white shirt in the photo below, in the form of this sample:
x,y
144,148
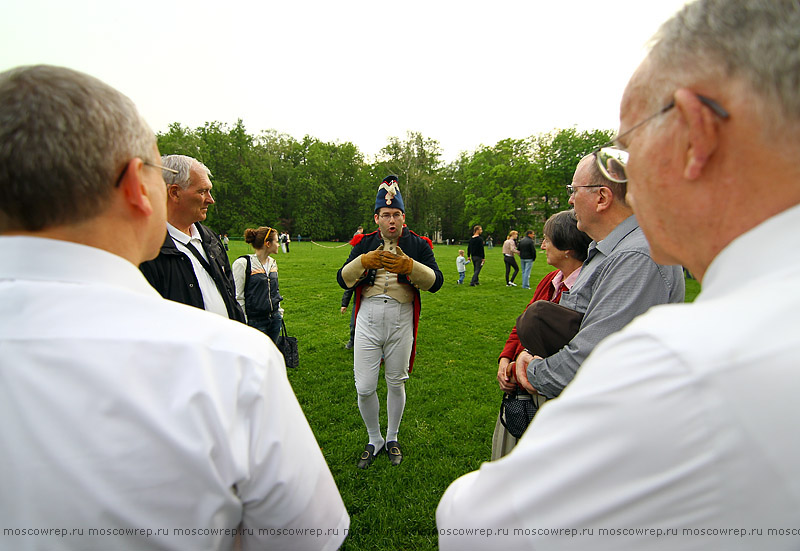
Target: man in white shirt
x,y
680,431
192,266
129,421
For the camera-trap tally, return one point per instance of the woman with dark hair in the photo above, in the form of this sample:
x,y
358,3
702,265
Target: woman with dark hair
x,y
565,247
256,279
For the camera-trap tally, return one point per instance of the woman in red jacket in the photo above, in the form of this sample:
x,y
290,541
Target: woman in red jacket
x,y
565,247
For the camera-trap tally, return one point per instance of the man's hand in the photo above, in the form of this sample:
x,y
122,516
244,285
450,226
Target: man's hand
x,y
343,309
523,360
372,260
397,264
505,375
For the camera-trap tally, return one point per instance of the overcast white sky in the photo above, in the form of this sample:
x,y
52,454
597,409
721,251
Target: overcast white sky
x,y
464,73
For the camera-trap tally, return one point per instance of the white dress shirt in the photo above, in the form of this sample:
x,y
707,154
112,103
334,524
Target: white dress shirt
x,y
685,420
125,415
212,300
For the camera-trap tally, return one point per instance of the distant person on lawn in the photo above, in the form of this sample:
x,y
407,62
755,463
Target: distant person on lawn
x,y
476,254
527,254
509,251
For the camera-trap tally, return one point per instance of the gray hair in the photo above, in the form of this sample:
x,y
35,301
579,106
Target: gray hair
x,y
755,42
183,164
65,138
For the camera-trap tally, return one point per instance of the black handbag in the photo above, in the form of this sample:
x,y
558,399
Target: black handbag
x,y
516,411
543,329
288,347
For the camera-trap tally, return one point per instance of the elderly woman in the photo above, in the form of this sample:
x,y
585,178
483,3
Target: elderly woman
x,y
256,279
565,247
509,250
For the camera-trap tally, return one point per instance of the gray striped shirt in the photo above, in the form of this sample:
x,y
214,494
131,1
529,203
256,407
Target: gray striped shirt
x,y
618,282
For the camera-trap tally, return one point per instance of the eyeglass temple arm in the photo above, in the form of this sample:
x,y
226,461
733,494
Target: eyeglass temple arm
x,y
710,103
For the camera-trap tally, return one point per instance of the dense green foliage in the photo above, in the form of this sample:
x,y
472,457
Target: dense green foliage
x,y
325,190
453,396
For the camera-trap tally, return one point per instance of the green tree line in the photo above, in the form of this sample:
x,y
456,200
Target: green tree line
x,y
323,190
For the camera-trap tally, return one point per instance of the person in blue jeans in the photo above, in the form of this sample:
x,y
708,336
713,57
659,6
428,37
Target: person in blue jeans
x,y
461,266
527,254
256,280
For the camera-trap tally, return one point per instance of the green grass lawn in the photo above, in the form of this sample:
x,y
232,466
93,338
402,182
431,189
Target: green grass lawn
x,y
452,395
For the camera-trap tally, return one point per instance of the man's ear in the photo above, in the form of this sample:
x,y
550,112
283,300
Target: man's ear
x,y
703,136
604,198
173,190
133,188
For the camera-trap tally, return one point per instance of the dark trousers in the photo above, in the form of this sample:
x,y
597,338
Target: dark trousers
x,y
477,264
511,262
271,326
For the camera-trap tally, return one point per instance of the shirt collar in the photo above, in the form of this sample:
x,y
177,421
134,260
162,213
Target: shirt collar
x,y
570,281
617,234
70,262
760,246
559,280
181,237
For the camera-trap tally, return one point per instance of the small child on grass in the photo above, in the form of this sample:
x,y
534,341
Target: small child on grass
x,y
461,265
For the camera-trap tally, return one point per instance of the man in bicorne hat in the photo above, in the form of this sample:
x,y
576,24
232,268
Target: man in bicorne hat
x,y
387,268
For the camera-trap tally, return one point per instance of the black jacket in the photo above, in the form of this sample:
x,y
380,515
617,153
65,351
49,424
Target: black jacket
x,y
527,248
475,247
171,273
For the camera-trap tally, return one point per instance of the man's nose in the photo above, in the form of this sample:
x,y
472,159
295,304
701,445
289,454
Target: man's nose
x,y
210,199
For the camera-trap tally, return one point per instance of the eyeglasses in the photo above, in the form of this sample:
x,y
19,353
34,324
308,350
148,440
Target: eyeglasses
x,y
572,187
708,102
612,162
610,158
148,163
395,216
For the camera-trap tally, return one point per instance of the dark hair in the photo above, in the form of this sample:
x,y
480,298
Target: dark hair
x,y
562,231
257,237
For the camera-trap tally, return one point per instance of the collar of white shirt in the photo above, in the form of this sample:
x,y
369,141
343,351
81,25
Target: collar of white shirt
x,y
68,262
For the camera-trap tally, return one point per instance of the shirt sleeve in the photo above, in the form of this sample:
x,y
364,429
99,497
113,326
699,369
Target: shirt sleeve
x,y
427,275
290,499
239,278
630,283
352,271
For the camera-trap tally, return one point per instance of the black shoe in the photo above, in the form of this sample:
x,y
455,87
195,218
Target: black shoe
x,y
395,454
368,456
